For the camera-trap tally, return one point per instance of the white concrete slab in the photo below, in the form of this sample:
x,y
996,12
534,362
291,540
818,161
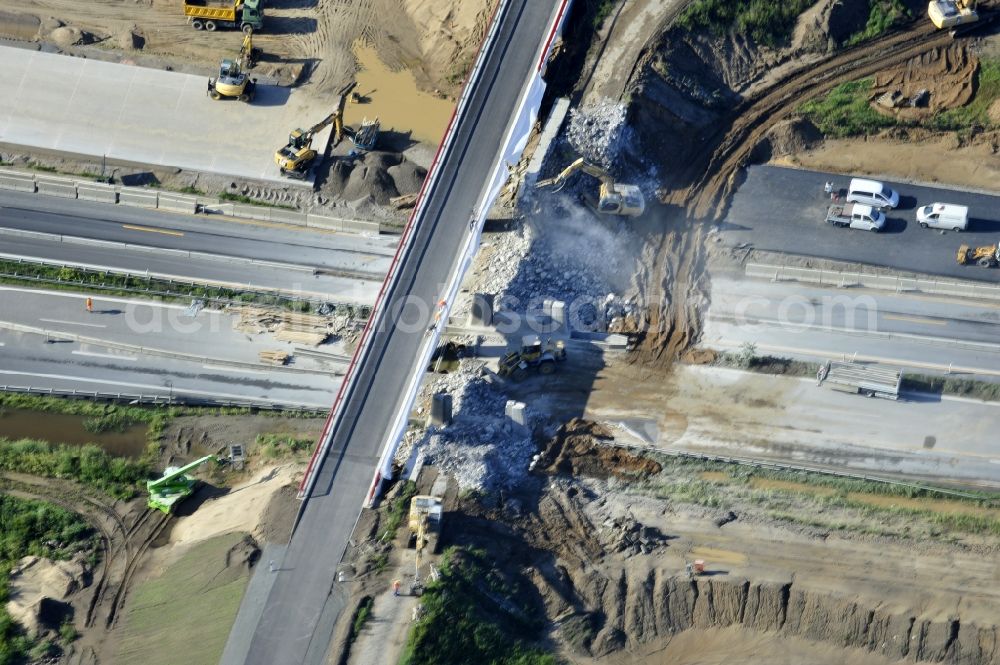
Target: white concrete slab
x,y
154,117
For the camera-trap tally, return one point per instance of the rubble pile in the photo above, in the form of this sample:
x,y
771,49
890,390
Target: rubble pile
x,y
522,268
598,132
481,448
630,537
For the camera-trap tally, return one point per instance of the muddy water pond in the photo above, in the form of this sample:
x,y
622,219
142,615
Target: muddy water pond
x,y
64,428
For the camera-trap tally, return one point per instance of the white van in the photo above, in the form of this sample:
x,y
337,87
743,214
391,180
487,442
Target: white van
x,y
871,193
945,216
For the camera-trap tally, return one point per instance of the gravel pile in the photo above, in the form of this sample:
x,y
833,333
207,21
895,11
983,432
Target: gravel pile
x,y
598,132
482,449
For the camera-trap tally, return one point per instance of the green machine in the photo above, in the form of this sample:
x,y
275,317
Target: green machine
x,y
174,486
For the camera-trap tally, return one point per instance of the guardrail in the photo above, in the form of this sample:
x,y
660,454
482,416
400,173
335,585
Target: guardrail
x,y
158,400
153,199
861,279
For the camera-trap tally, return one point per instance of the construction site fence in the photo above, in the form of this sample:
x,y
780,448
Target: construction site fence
x,y
861,279
258,293
179,399
144,197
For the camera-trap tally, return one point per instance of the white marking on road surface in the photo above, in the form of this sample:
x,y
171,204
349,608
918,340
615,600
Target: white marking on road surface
x,y
914,319
74,323
220,368
155,388
103,355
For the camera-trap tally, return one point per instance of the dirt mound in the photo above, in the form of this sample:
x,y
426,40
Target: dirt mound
x,y
700,356
38,588
944,78
407,176
829,23
132,39
994,112
788,137
582,447
369,180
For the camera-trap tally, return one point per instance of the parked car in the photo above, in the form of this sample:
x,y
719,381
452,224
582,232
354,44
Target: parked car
x,y
871,193
947,216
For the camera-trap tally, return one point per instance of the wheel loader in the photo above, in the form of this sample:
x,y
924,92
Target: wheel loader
x,y
532,356
987,256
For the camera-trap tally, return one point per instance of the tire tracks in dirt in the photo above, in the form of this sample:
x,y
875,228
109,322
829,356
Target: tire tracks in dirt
x,y
675,295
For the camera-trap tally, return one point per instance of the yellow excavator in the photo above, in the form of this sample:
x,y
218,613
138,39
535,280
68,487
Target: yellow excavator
x,y
233,81
952,13
615,198
987,256
295,159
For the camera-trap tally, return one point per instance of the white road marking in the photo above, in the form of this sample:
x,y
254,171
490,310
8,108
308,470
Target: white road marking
x,y
155,388
102,355
240,370
74,323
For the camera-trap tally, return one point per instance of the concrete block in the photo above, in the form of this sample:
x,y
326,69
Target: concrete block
x,y
517,412
97,192
557,310
177,203
18,183
481,313
287,216
137,198
441,409
56,188
321,222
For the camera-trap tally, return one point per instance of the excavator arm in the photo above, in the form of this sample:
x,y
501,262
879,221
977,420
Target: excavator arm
x,y
580,164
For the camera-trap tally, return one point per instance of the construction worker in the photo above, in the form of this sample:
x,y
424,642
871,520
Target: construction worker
x,y
90,304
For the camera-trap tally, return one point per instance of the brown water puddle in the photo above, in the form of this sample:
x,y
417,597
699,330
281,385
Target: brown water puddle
x,y
396,101
63,428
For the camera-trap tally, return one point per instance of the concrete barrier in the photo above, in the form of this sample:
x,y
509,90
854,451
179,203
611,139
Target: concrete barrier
x,y
66,190
358,226
137,198
18,183
321,222
287,216
252,212
96,192
177,203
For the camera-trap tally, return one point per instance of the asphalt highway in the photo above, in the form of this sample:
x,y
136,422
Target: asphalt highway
x,y
783,210
306,599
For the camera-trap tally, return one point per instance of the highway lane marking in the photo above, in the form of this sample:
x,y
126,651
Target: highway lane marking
x,y
914,319
147,229
158,388
240,370
74,323
102,355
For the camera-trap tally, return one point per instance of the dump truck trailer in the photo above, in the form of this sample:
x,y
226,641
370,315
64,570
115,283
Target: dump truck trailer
x,y
247,15
862,379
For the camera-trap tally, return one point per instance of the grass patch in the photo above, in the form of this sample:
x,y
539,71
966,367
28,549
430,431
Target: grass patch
x,y
239,198
766,22
361,617
399,508
472,614
185,614
947,385
766,364
41,529
273,446
976,111
190,189
90,465
601,11
882,15
75,279
845,111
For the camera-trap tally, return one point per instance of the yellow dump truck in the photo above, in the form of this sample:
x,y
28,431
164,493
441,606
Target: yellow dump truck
x,y
210,15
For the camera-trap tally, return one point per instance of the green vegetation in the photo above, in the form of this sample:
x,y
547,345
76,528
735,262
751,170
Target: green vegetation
x,y
472,614
65,278
601,11
190,189
33,528
272,446
976,112
948,385
829,502
766,22
68,633
116,476
398,510
239,198
845,111
361,617
882,15
185,614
